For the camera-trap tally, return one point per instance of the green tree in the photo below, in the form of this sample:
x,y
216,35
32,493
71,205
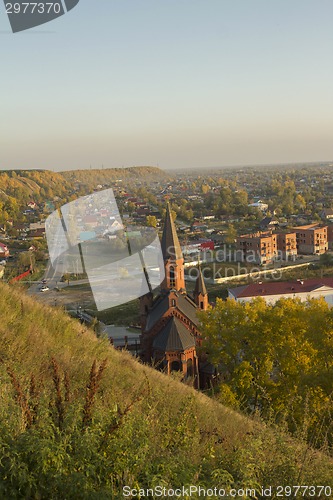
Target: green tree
x,y
277,359
25,259
230,235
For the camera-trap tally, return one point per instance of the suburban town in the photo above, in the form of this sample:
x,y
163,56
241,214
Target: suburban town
x,y
166,250
270,239
237,308
221,218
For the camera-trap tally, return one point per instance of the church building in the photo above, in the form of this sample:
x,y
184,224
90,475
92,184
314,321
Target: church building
x,y
169,324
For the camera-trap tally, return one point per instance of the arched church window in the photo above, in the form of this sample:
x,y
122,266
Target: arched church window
x,y
189,368
172,277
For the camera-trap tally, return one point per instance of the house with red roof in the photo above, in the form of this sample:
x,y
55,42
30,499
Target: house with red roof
x,y
32,204
90,221
4,252
273,291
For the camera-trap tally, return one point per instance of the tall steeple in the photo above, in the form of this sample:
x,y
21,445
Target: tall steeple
x,y
200,291
170,243
172,256
146,299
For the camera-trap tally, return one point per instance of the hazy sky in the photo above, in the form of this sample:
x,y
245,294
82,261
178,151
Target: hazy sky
x,y
178,83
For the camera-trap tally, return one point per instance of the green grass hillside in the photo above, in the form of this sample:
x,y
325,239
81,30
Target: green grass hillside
x,y
80,420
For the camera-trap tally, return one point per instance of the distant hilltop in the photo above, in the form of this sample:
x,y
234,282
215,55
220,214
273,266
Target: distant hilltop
x,y
27,185
104,176
41,185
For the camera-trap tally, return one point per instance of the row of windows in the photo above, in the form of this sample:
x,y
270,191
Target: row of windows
x,y
313,233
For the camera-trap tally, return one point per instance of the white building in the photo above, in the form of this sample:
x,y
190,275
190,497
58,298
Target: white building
x,y
259,204
273,291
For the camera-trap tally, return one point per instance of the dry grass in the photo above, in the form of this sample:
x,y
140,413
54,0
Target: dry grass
x,y
44,352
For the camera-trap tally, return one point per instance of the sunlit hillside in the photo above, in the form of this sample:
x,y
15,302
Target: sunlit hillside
x,y
79,419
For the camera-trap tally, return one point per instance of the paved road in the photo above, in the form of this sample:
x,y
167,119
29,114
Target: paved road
x,y
52,276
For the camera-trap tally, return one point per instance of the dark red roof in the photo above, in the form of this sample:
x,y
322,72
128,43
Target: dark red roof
x,y
89,219
174,336
280,287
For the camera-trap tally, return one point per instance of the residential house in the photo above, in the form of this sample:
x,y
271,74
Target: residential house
x,y
33,205
37,225
260,205
90,221
327,214
4,251
269,223
273,291
37,233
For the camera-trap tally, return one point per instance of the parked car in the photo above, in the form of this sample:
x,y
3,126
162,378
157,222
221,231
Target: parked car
x,y
44,289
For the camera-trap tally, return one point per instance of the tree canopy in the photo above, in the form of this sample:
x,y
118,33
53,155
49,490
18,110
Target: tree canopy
x,y
275,359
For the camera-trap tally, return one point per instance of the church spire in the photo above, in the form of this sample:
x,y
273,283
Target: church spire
x,y
200,291
170,243
200,286
172,256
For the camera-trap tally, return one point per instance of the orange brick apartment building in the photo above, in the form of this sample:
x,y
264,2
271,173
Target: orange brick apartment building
x,y
265,247
287,245
311,239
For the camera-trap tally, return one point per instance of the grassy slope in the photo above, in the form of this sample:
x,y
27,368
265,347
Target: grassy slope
x,y
160,431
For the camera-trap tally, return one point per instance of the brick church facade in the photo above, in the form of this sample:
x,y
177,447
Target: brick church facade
x,y
169,324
